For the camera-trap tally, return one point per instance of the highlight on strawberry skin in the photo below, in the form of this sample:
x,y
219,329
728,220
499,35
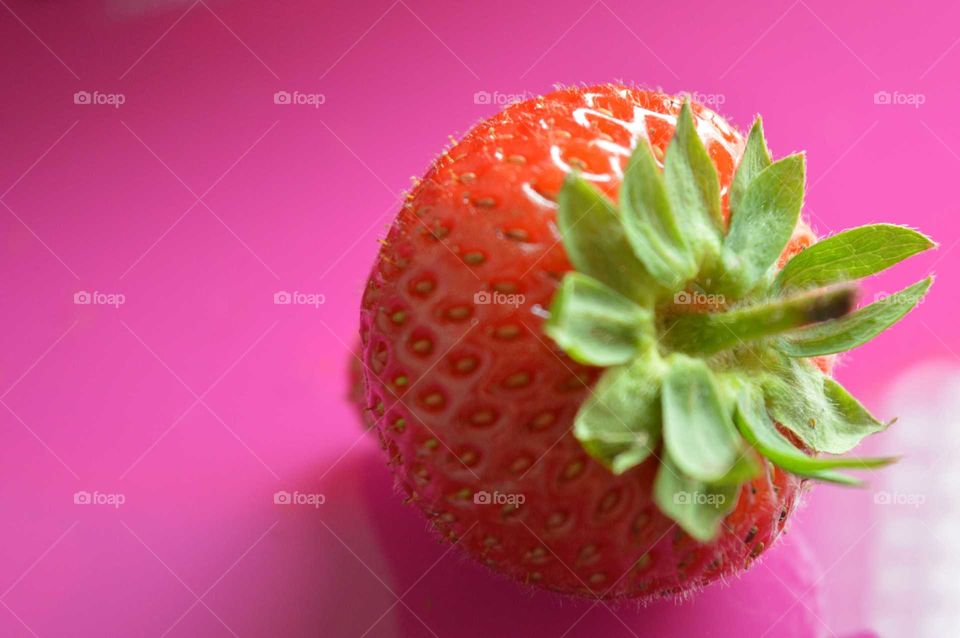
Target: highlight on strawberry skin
x,y
598,337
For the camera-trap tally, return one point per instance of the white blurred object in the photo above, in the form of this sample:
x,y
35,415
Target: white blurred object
x,y
916,563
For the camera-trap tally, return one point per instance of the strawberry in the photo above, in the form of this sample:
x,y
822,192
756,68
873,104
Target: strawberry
x,y
597,338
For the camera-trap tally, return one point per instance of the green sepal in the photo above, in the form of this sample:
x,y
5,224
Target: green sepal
x,y
698,508
698,432
619,424
746,468
834,477
857,328
763,223
675,371
708,333
822,414
851,254
650,223
756,157
596,325
761,432
595,240
693,188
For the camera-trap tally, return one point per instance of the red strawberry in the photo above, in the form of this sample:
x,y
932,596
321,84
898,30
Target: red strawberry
x,y
485,410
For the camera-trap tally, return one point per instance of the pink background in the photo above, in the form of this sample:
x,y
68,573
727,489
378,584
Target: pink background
x,y
198,398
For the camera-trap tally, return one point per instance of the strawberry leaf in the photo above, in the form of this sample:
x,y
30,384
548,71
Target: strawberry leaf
x,y
761,432
596,325
763,223
595,239
851,254
817,409
857,328
698,507
693,187
650,224
746,468
720,371
698,432
708,333
756,157
619,424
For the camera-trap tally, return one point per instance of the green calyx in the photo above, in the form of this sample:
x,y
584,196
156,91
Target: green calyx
x,y
705,342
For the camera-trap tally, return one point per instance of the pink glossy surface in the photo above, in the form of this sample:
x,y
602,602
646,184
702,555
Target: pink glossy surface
x,y
198,398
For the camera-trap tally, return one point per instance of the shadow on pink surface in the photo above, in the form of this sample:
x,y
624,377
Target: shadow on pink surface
x,y
382,547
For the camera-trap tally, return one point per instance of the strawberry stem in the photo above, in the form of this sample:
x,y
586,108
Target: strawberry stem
x,y
712,332
665,240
